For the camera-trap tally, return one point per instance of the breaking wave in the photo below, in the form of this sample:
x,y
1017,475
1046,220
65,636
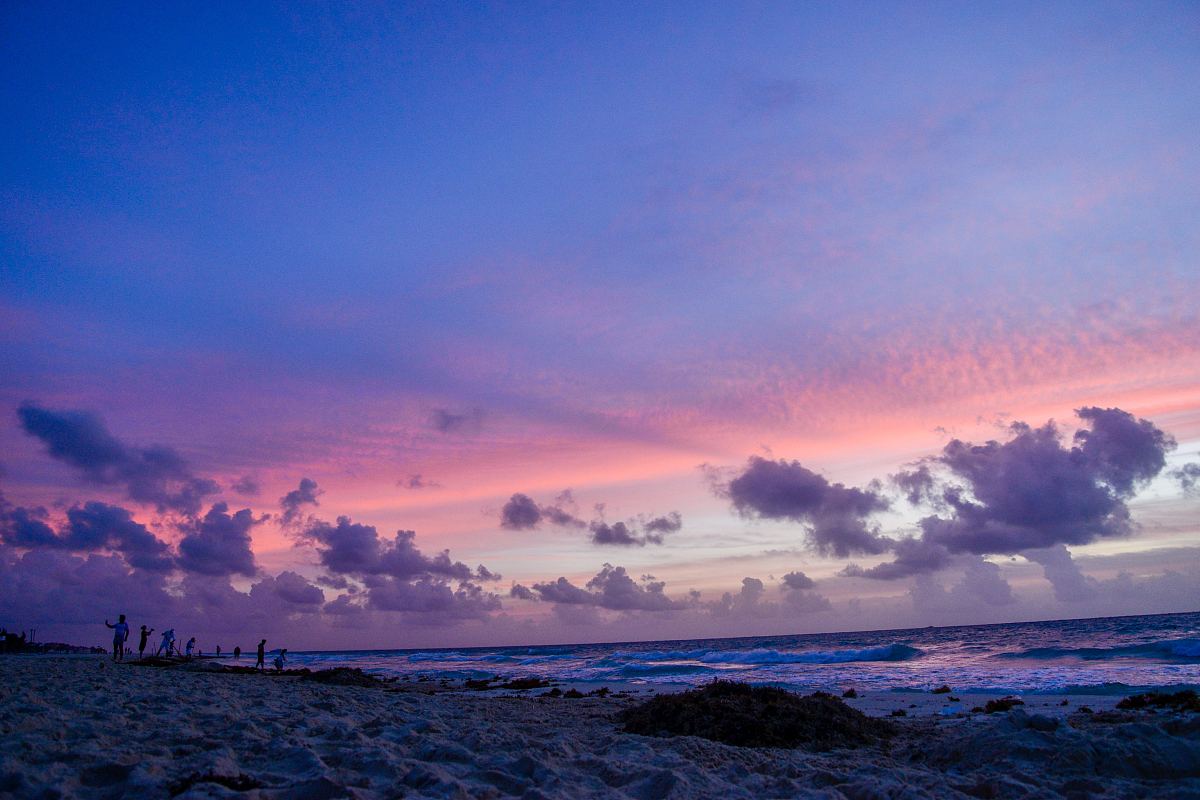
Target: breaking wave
x,y
891,652
1181,650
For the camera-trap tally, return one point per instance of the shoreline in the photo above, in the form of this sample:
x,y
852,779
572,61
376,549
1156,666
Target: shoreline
x,y
84,726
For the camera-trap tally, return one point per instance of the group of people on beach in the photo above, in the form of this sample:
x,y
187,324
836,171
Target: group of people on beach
x,y
168,647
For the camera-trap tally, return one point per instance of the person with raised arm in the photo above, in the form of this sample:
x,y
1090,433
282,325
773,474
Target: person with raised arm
x,y
120,635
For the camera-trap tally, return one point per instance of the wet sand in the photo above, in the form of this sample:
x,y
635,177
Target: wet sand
x,y
81,726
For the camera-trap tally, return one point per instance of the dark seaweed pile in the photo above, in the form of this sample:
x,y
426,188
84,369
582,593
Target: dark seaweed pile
x,y
756,716
1187,700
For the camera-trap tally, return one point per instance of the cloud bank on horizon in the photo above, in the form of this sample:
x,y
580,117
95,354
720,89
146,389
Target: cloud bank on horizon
x,y
1032,495
289,319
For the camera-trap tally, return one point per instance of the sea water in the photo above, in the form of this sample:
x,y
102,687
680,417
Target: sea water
x,y
1105,655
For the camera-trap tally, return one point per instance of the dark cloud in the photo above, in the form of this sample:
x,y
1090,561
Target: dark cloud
x,y
451,422
1032,492
246,486
333,581
1188,476
521,512
293,588
103,526
418,481
398,576
835,515
351,548
750,602
93,526
612,588
430,597
913,556
622,534
219,544
670,523
797,580
154,475
520,592
292,503
918,484
1067,579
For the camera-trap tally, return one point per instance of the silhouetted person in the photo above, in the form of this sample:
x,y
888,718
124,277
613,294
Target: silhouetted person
x,y
262,655
142,642
120,634
281,660
167,643
237,652
191,644
218,651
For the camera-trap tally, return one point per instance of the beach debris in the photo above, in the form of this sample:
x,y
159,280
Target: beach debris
x,y
899,712
953,699
755,716
572,693
555,692
1185,700
850,693
1001,704
943,689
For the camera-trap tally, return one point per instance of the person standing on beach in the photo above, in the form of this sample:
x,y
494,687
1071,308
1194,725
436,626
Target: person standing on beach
x,y
237,652
262,655
142,643
120,634
191,643
168,642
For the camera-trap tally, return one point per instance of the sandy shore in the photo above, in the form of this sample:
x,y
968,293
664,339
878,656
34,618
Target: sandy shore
x,y
84,727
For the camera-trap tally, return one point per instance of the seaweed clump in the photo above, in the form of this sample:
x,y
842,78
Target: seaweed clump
x,y
1003,704
756,716
342,676
1186,700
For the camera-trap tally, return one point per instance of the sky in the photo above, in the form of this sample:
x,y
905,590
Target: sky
x,y
474,324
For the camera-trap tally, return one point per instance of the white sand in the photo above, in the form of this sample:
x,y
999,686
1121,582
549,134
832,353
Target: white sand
x,y
84,727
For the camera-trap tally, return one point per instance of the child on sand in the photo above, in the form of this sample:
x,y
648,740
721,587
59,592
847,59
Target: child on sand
x,y
120,634
190,645
280,660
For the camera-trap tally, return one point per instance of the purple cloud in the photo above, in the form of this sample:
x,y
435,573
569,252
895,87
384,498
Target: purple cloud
x,y
1032,492
154,475
219,544
611,588
292,503
835,516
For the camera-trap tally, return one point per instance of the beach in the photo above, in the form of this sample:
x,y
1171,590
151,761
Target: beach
x,y
82,726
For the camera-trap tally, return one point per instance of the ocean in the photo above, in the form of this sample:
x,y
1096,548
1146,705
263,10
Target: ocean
x,y
1105,655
